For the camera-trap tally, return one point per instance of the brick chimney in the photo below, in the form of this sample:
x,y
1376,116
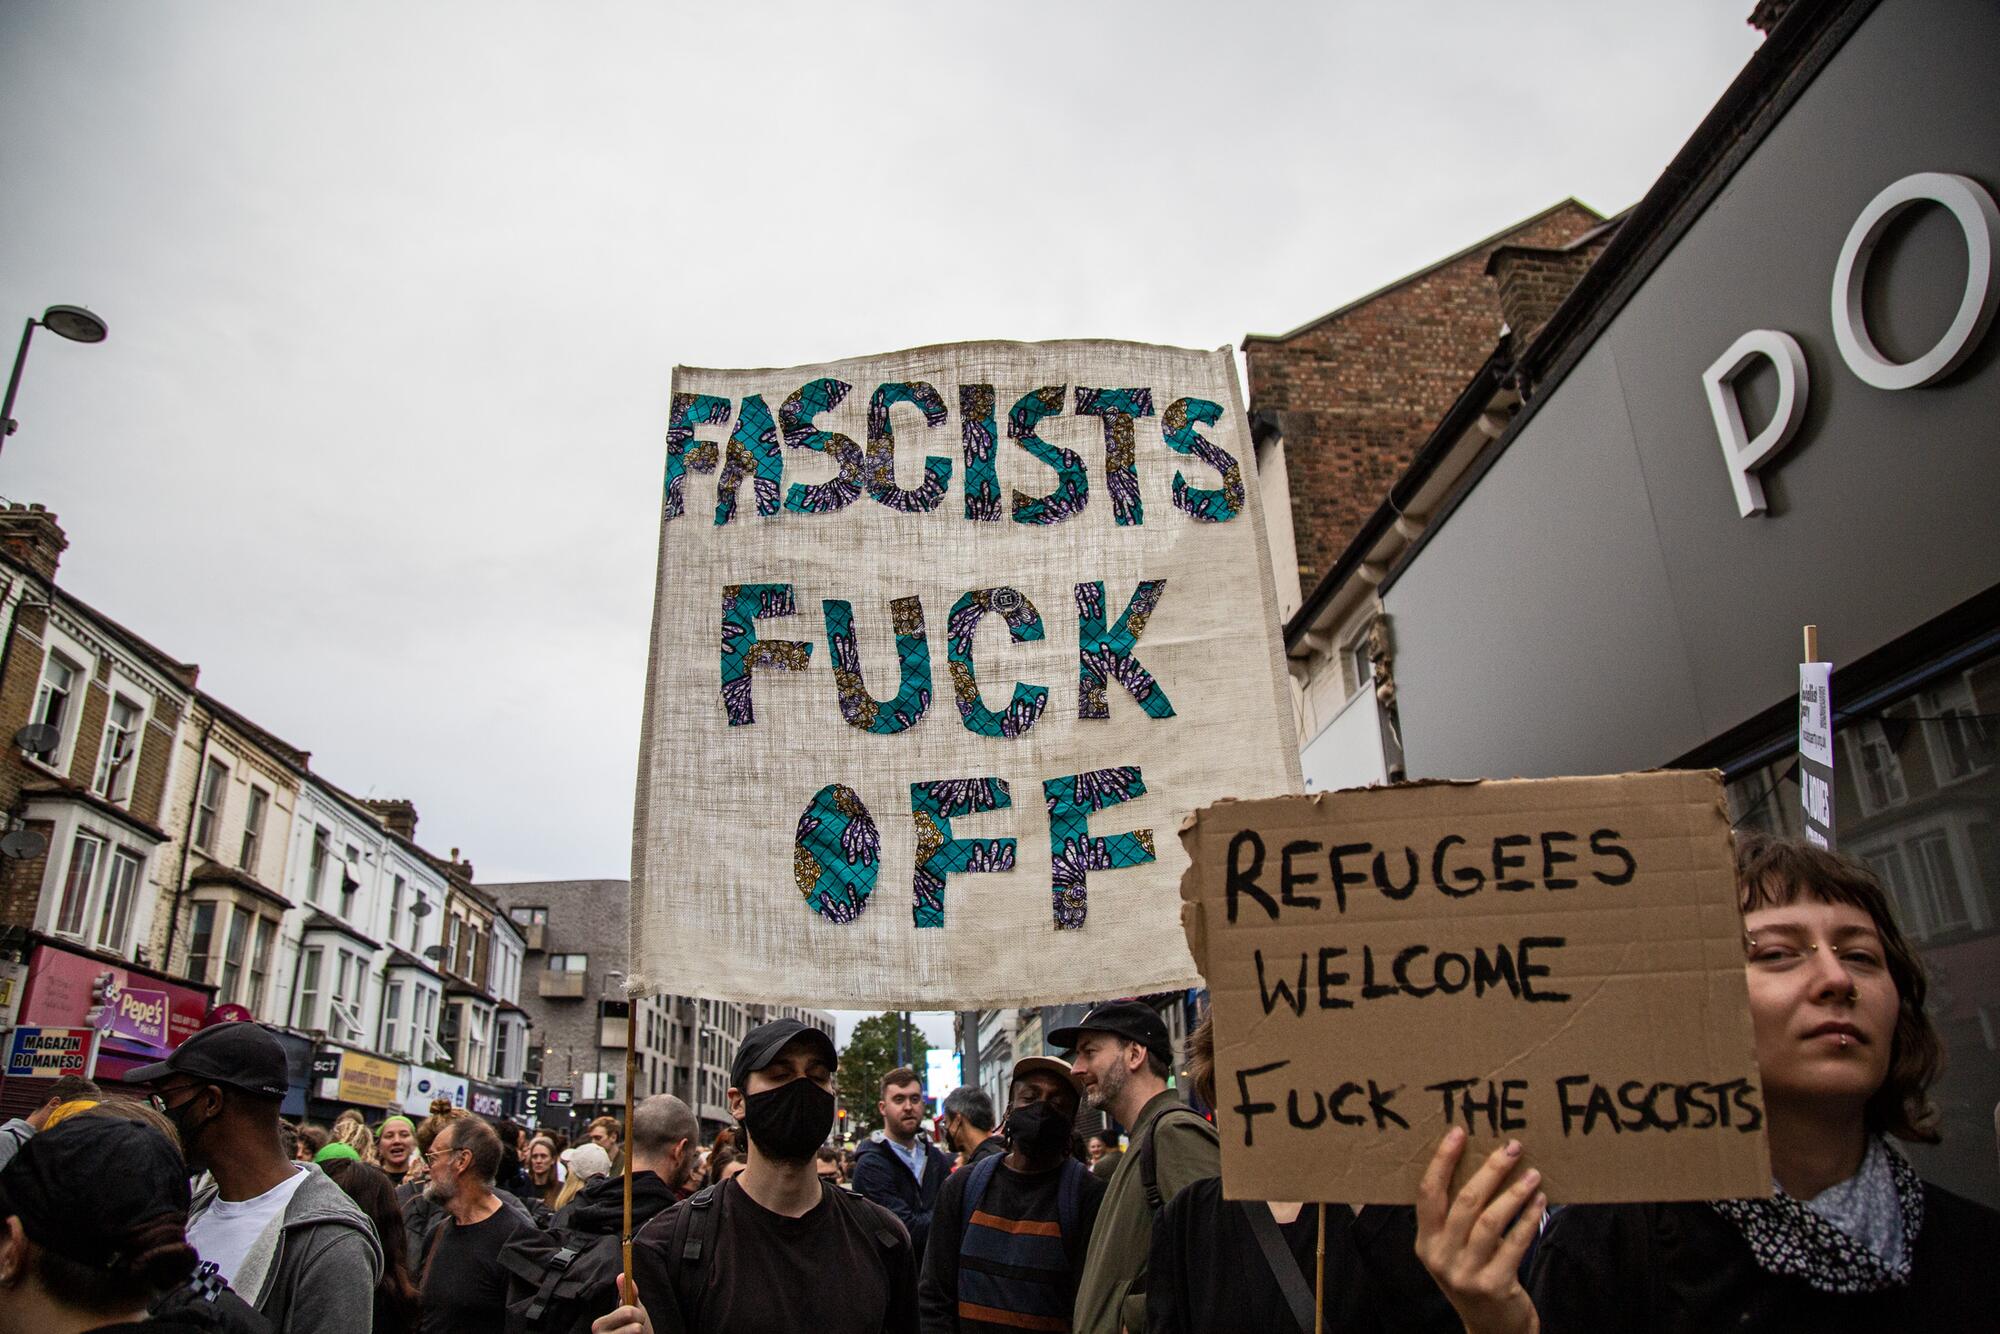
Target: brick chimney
x,y
397,814
1769,14
1533,280
30,536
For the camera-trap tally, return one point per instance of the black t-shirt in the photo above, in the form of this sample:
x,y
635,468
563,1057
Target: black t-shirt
x,y
1206,1274
769,1274
464,1287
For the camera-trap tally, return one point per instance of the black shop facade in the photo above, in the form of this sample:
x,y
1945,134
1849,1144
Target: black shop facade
x,y
1774,401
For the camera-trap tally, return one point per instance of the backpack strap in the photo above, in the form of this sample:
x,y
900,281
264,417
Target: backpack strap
x,y
1069,1209
690,1246
1149,1163
979,1177
861,1211
1298,1294
554,1267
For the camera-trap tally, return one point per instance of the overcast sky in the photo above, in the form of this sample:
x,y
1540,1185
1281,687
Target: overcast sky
x,y
394,292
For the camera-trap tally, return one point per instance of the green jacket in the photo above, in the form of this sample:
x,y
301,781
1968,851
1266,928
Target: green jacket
x,y
1187,1152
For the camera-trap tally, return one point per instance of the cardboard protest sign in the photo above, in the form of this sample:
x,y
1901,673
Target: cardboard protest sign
x,y
945,645
1558,961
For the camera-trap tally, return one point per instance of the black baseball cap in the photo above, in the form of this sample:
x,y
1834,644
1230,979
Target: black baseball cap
x,y
88,1186
1126,1019
762,1044
241,1054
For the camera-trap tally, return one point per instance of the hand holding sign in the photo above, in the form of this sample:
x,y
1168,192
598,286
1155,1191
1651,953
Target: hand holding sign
x,y
1472,1243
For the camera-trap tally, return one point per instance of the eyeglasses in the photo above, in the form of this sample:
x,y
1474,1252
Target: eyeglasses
x,y
435,1154
158,1101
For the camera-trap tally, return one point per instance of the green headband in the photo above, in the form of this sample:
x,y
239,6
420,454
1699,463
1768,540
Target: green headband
x,y
336,1150
388,1120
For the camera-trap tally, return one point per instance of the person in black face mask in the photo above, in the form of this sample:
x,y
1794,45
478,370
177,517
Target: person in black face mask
x,y
773,1247
1008,1234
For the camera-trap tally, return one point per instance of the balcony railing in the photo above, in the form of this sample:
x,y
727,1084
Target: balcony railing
x,y
560,986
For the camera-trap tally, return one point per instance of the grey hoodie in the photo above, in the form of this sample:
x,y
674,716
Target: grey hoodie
x,y
314,1269
12,1136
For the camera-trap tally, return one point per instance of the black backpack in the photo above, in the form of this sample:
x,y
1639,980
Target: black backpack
x,y
560,1280
691,1242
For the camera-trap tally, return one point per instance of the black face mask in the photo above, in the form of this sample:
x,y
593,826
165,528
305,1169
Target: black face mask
x,y
790,1122
1039,1130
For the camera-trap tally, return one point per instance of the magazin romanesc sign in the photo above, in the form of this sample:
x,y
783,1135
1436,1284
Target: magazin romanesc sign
x,y
946,643
1557,960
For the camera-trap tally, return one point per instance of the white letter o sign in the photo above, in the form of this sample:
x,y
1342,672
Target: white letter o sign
x,y
1978,219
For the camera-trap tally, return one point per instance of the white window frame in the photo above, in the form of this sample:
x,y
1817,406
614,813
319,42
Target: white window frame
x,y
73,696
120,904
258,977
311,968
1861,740
392,1018
211,799
398,891
1948,708
113,780
215,909
73,916
318,857
255,812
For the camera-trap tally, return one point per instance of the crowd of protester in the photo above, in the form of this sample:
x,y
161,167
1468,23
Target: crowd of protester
x,y
201,1208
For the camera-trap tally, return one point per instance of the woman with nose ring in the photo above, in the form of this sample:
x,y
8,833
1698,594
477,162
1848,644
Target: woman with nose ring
x,y
1852,1238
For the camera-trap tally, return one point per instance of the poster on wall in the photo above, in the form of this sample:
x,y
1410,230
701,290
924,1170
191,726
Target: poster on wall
x,y
946,643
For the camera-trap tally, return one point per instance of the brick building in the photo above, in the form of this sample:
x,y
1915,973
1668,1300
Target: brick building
x,y
578,947
1340,404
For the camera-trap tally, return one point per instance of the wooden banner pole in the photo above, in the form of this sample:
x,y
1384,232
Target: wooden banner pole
x,y
1319,1277
1812,644
631,1063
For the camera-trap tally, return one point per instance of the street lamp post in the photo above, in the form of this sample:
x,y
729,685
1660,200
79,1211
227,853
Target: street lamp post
x,y
610,975
71,322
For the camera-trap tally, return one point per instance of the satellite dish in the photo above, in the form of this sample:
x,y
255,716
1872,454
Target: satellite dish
x,y
39,738
434,952
22,844
421,908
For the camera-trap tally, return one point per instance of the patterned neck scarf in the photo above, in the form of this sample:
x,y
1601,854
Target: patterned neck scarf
x,y
1850,1243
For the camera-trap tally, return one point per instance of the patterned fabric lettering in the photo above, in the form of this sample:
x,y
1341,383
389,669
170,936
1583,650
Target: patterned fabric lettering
x,y
1024,625
981,442
1121,455
882,449
1105,655
683,450
1072,489
1209,505
752,450
1074,853
837,853
934,805
742,606
796,416
913,653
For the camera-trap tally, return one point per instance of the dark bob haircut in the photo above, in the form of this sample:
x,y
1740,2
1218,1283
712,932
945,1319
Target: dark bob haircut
x,y
1774,872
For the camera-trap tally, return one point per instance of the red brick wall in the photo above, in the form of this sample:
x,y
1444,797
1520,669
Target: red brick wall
x,y
1356,395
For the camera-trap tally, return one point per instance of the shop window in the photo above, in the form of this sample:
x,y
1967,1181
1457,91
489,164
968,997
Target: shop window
x,y
84,856
118,752
201,941
60,679
121,887
253,828
208,806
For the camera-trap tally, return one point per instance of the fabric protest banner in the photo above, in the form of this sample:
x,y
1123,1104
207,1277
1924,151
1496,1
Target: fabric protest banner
x,y
946,642
1558,961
